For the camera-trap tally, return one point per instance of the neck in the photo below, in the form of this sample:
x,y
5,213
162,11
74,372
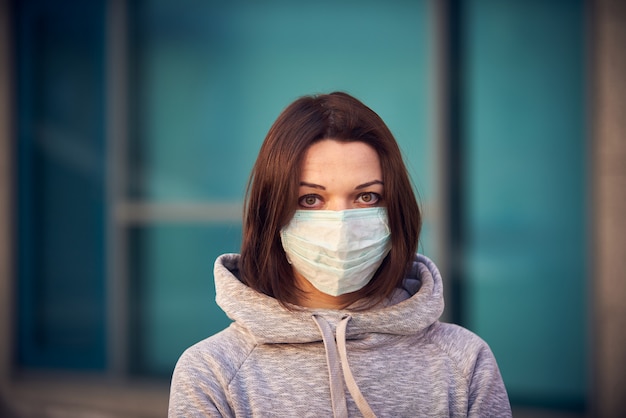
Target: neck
x,y
314,298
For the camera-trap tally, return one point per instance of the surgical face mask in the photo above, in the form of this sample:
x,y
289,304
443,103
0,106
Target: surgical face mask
x,y
337,251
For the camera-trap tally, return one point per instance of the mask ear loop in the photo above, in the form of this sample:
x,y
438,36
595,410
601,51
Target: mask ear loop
x,y
358,397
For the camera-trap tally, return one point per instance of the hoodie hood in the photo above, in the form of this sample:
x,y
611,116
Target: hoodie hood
x,y
412,309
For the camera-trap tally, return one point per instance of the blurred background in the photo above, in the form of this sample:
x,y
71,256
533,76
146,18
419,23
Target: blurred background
x,y
129,129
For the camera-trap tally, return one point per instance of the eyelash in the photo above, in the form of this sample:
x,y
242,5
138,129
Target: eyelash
x,y
375,197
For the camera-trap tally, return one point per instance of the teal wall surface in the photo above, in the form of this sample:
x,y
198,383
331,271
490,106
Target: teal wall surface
x,y
525,138
60,198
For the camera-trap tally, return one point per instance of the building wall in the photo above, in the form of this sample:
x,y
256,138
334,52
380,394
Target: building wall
x,y
607,283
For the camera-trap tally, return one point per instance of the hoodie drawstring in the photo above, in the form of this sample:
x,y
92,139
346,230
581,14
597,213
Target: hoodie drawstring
x,y
333,350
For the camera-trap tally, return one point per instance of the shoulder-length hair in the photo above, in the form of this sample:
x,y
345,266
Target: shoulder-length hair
x,y
272,193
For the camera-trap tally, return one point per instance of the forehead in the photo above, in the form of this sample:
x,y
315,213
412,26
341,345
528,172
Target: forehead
x,y
330,159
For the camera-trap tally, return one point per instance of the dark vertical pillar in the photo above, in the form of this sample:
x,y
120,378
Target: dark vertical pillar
x,y
608,151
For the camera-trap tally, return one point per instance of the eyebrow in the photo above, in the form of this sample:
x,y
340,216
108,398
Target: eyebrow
x,y
359,187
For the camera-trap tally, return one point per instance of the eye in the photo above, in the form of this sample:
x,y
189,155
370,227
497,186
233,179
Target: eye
x,y
310,201
368,198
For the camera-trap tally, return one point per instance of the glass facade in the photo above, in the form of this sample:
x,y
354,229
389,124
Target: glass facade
x,y
61,192
205,80
525,137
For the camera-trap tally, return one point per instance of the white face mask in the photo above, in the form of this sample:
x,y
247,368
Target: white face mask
x,y
337,251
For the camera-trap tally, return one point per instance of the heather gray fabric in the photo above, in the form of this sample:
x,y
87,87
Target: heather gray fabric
x,y
396,360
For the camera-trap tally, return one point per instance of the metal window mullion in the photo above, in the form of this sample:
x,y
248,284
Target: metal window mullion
x,y
448,97
116,178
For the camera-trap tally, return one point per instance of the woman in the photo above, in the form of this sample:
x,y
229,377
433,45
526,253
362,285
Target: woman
x,y
334,313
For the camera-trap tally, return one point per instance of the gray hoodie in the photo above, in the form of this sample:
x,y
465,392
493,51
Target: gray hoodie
x,y
396,360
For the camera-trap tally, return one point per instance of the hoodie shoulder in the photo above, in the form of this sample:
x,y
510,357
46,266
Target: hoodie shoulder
x,y
475,361
221,353
460,344
204,371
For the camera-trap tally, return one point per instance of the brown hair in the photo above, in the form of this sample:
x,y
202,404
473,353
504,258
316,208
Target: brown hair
x,y
273,189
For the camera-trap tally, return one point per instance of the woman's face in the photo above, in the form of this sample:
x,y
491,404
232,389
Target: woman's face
x,y
340,175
